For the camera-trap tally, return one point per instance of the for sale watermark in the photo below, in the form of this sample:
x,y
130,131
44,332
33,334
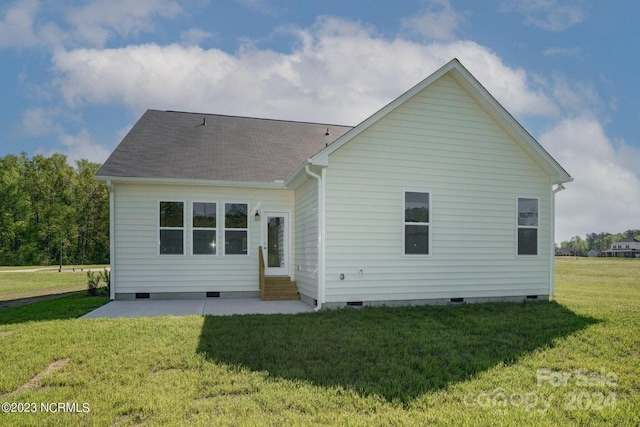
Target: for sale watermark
x,y
499,399
577,378
589,391
46,407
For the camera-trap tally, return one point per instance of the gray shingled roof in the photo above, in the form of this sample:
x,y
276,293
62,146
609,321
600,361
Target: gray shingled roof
x,y
628,240
169,144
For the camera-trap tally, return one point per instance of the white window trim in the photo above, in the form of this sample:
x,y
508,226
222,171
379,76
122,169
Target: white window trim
x,y
225,229
183,228
537,227
205,228
428,224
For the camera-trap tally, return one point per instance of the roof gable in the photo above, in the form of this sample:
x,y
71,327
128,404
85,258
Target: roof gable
x,y
465,79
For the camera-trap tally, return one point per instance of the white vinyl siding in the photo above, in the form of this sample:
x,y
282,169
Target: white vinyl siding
x,y
441,140
141,269
306,243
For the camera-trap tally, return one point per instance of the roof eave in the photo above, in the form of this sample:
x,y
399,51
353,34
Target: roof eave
x,y
275,185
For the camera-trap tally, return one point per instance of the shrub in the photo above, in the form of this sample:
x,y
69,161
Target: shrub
x,y
106,278
93,282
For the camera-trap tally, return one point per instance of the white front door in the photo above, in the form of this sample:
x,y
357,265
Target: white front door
x,y
275,241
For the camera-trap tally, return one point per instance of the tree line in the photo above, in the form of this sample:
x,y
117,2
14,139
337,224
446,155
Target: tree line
x,y
596,241
49,208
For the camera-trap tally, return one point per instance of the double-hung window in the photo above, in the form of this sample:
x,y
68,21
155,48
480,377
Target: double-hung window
x,y
171,228
416,223
527,224
236,228
204,228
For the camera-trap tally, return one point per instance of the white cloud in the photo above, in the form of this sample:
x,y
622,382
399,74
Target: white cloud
x,y
97,21
26,24
438,22
606,190
38,122
259,6
81,146
194,36
339,71
576,97
550,15
16,28
48,123
575,52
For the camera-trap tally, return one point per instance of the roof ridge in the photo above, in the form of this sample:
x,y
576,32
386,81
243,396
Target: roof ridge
x,y
252,118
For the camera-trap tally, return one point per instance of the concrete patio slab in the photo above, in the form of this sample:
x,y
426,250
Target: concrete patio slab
x,y
209,306
146,308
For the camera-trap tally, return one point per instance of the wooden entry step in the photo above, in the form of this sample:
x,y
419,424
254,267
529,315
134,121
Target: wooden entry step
x,y
280,288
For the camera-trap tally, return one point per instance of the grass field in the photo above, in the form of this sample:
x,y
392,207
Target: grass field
x,y
573,361
23,282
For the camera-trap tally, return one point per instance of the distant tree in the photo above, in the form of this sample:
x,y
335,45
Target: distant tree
x,y
15,207
597,241
92,205
47,205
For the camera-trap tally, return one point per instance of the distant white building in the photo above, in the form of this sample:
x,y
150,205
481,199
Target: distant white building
x,y
626,248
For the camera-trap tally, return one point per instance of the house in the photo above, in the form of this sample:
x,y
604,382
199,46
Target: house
x,y
567,252
629,247
593,253
439,197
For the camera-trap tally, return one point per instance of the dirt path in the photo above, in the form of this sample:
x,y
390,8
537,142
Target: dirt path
x,y
35,382
29,270
24,301
55,269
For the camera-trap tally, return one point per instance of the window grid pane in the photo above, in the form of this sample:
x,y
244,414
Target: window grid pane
x,y
416,207
416,239
528,212
527,241
172,214
171,242
235,215
204,215
235,242
204,242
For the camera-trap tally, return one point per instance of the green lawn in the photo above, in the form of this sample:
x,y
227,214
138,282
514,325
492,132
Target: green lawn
x,y
45,281
573,361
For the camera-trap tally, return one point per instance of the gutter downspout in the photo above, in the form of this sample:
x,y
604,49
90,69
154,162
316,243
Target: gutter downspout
x,y
112,240
552,203
321,220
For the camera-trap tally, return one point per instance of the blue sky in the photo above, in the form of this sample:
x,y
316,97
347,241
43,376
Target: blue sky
x,y
76,75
